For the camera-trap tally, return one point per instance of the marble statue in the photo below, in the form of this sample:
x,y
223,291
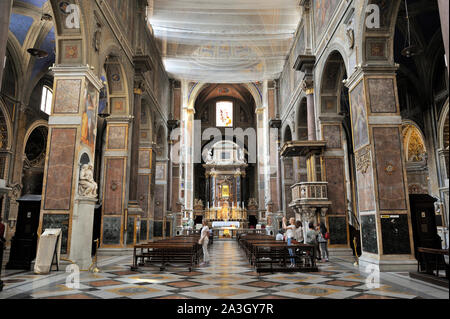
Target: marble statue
x,y
87,187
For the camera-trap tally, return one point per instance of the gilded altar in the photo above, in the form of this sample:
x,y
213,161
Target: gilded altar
x,y
225,175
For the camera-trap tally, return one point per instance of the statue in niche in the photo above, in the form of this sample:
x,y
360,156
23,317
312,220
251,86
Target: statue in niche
x,y
87,187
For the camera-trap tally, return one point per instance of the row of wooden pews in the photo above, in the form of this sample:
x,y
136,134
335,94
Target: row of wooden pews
x,y
183,250
269,255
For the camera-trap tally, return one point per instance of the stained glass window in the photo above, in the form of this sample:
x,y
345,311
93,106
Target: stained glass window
x,y
224,113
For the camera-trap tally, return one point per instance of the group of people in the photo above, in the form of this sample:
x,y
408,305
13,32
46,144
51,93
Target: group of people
x,y
317,235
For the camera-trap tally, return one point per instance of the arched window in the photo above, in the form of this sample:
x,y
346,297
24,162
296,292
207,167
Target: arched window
x,y
224,114
46,101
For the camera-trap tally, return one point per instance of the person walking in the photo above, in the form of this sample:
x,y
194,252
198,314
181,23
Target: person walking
x,y
204,240
318,252
323,241
290,234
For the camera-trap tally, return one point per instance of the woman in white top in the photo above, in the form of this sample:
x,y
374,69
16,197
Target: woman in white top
x,y
204,240
290,234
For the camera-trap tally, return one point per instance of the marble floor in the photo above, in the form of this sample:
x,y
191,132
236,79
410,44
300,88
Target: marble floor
x,y
229,276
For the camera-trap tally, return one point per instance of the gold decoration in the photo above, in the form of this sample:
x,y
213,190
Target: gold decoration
x,y
413,144
363,159
390,169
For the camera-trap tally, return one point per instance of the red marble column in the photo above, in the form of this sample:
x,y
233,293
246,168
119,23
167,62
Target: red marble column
x,y
383,201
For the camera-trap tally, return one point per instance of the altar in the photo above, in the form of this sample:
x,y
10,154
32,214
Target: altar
x,y
225,174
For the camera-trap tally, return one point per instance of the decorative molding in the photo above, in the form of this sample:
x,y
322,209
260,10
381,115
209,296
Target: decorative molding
x,y
363,159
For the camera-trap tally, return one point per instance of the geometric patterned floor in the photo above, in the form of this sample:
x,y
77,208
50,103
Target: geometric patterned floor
x,y
229,276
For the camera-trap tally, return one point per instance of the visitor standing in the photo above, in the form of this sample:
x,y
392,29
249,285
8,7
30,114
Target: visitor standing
x,y
311,237
204,240
323,241
290,234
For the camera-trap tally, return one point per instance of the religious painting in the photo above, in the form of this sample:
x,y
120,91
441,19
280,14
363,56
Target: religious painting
x,y
323,12
359,116
225,191
89,119
224,114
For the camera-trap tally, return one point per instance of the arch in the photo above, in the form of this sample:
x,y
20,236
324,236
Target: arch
x,y
117,83
30,130
443,127
14,51
330,85
287,133
146,123
199,86
161,141
8,125
72,34
413,142
301,122
334,48
377,44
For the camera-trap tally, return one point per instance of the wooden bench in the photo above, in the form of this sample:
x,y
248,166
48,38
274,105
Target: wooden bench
x,y
433,260
278,255
183,249
264,250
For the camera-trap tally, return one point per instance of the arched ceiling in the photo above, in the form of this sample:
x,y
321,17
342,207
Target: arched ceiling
x,y
233,41
30,31
236,91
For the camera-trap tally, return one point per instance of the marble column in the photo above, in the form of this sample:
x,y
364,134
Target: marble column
x,y
71,144
135,211
115,219
382,189
263,151
213,189
5,14
135,138
207,189
311,113
444,12
238,188
335,163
